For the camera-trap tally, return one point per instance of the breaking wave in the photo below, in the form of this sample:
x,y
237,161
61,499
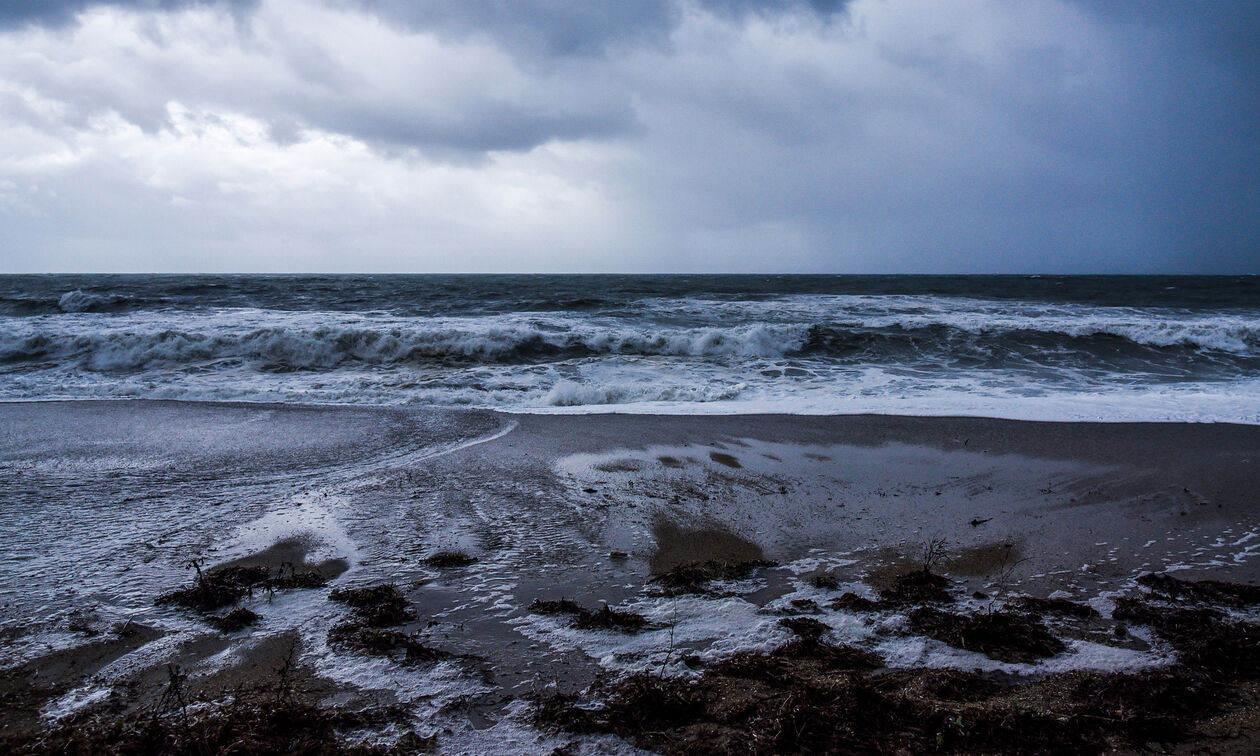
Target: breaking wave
x,y
328,347
1164,348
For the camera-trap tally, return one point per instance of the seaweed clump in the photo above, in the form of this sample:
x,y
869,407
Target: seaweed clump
x,y
1204,638
810,696
235,620
1208,591
825,581
853,602
918,586
217,588
604,618
443,559
1005,636
375,606
694,577
257,720
377,609
1055,606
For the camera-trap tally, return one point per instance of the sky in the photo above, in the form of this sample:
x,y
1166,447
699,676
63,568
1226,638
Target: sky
x,y
832,136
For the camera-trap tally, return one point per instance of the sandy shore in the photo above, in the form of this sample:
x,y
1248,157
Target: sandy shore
x,y
106,504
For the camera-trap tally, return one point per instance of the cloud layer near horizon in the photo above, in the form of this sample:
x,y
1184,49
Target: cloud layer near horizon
x,y
728,135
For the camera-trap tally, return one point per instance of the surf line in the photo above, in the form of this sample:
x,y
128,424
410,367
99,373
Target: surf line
x,y
510,426
402,458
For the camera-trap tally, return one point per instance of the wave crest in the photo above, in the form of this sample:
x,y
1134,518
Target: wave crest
x,y
573,394
82,301
929,340
330,347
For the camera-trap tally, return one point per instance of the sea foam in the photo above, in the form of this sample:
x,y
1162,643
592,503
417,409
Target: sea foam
x,y
806,353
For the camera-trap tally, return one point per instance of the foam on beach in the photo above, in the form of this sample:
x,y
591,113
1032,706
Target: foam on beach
x,y
602,510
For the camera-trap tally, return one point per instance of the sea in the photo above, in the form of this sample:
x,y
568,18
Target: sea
x,y
1088,348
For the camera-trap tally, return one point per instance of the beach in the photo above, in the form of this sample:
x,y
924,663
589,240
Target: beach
x,y
679,377
107,504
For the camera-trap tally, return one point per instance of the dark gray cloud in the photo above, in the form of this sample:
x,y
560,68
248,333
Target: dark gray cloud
x,y
1059,136
1226,30
1194,157
59,12
542,28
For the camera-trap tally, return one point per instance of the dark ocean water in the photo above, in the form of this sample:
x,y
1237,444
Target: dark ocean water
x,y
1053,347
418,295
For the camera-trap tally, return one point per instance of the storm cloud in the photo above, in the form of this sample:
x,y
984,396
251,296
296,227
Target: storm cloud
x,y
666,135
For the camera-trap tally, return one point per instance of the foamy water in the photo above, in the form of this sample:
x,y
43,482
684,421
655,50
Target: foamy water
x,y
1132,349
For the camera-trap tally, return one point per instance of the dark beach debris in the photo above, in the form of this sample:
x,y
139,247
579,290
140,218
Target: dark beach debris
x,y
806,627
725,459
376,609
235,620
257,720
694,577
1054,606
289,577
918,586
216,588
803,701
379,641
444,559
1204,638
1208,591
813,697
375,606
805,605
1163,700
977,522
204,595
1173,619
245,577
636,703
825,581
562,606
956,685
604,618
1005,636
802,656
855,603
618,556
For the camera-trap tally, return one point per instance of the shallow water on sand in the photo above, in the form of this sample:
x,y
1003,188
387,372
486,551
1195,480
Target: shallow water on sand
x,y
106,504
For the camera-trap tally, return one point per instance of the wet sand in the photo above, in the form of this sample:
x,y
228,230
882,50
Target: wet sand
x,y
593,509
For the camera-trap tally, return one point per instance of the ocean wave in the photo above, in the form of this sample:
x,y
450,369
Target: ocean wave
x,y
323,347
331,347
82,301
1107,341
210,295
574,394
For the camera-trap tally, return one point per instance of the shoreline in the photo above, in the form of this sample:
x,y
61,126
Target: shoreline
x,y
727,408
588,508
